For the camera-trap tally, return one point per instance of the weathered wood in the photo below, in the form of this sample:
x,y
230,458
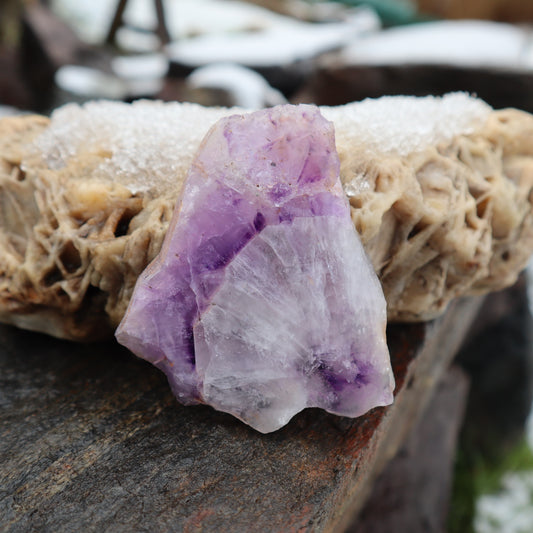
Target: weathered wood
x,y
413,491
57,41
499,359
92,440
116,23
13,90
47,44
334,83
160,30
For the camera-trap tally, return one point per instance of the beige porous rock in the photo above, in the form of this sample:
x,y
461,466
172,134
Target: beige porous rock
x,y
440,191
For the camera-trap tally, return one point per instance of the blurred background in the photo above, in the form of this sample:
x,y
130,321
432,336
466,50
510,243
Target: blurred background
x,y
262,52
266,52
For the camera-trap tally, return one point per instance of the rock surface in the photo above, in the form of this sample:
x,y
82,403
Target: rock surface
x,y
265,303
439,191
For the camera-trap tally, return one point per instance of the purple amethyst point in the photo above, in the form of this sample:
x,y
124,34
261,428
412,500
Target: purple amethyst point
x,y
262,301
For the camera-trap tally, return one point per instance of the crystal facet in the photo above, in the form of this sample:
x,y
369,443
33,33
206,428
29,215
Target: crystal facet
x,y
262,301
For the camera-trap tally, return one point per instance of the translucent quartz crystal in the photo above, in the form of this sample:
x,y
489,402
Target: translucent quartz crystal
x,y
262,301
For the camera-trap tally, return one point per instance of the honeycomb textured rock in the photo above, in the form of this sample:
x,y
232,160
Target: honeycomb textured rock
x,y
442,205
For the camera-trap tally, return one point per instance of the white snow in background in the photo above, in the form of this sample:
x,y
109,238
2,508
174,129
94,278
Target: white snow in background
x,y
276,39
137,41
510,510
468,43
133,77
152,66
89,82
7,111
246,87
186,18
284,43
206,31
90,19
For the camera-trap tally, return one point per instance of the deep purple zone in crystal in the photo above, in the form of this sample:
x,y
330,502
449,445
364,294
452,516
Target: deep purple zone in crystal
x,y
338,381
230,216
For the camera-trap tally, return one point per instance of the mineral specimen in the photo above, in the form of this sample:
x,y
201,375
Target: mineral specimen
x,y
262,301
439,191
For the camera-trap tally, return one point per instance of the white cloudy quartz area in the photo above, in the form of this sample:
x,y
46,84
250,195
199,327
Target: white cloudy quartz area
x,y
296,325
467,43
152,142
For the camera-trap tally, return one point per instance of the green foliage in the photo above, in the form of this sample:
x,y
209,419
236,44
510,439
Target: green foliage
x,y
478,474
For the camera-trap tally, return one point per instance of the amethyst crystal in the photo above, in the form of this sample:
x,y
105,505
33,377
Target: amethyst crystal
x,y
262,301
